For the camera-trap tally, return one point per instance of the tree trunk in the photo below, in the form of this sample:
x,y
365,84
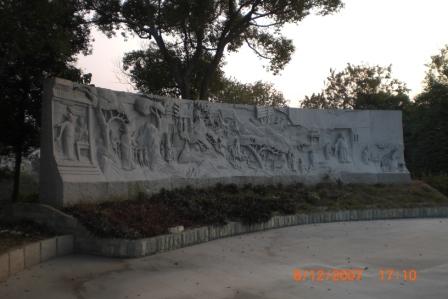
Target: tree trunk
x,y
207,79
185,89
18,150
211,69
17,164
203,93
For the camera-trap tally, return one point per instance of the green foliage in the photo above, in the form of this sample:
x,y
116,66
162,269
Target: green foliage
x,y
426,122
153,215
199,206
360,87
439,182
258,93
39,39
437,72
151,75
5,173
189,39
425,132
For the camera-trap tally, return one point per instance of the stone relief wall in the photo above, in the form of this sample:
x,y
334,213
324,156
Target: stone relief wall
x,y
102,136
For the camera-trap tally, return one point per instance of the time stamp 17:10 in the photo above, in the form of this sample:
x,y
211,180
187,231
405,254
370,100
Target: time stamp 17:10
x,y
347,275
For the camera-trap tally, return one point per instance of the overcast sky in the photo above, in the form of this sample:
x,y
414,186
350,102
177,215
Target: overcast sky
x,y
404,33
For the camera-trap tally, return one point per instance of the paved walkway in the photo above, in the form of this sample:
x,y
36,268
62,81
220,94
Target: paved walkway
x,y
258,266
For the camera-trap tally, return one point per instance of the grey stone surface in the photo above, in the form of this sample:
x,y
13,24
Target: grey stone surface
x,y
64,245
16,261
47,249
100,144
32,254
176,229
259,266
4,266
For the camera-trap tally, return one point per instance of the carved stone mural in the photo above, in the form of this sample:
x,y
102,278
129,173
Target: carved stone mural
x,y
104,143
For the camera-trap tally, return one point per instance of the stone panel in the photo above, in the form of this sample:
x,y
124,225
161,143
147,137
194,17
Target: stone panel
x,y
32,254
64,245
4,266
99,144
47,249
16,261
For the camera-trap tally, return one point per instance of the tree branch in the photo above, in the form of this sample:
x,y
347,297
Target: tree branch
x,y
255,50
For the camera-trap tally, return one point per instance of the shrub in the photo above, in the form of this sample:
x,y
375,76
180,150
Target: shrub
x,y
439,182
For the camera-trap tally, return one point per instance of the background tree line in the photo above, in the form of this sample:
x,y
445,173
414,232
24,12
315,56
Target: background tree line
x,y
187,43
425,119
184,57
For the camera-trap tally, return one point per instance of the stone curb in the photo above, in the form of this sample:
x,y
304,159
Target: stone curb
x,y
18,259
124,248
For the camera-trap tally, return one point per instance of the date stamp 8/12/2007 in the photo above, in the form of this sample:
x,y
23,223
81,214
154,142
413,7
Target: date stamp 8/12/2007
x,y
352,275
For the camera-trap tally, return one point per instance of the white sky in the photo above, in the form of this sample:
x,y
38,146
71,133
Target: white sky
x,y
404,33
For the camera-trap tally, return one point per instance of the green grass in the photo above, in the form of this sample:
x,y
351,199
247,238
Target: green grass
x,y
148,216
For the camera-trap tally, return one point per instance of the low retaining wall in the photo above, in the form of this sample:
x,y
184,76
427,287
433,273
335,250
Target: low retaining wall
x,y
142,247
85,242
45,215
18,259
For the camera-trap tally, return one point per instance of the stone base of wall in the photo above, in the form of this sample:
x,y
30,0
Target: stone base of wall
x,y
85,242
102,191
18,259
142,247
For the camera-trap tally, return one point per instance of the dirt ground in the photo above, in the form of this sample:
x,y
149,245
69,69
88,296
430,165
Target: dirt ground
x,y
16,235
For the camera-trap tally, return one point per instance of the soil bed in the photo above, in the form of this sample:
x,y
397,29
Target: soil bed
x,y
17,235
149,216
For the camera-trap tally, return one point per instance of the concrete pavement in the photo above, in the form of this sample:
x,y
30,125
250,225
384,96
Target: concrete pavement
x,y
258,266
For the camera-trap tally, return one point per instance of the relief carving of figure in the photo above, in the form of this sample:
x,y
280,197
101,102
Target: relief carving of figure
x,y
105,130
126,148
66,136
300,165
82,133
199,131
235,153
365,155
389,162
147,107
290,157
341,149
148,143
327,151
167,148
311,159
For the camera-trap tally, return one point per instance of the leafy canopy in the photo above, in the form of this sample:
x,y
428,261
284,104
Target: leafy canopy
x,y
150,74
438,69
193,36
39,38
426,121
360,87
258,93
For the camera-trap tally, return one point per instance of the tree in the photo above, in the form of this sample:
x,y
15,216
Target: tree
x,y
426,121
258,93
360,87
192,37
438,69
426,127
39,39
151,75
